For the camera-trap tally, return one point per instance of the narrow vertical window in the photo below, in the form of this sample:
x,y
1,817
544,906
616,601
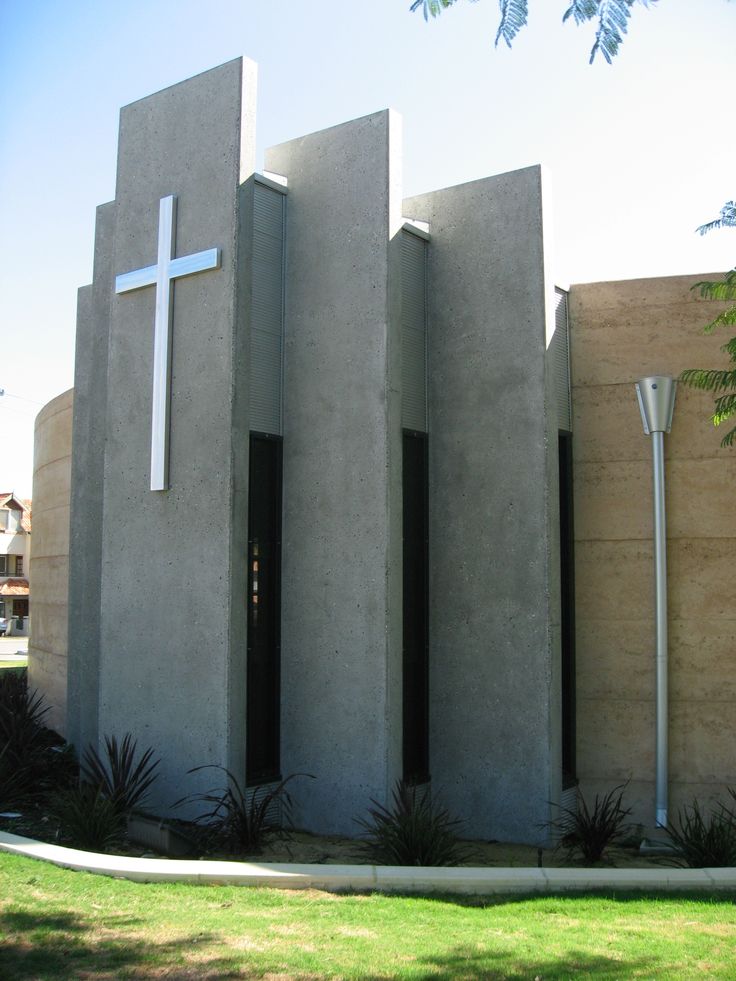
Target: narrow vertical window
x,y
416,609
567,612
264,610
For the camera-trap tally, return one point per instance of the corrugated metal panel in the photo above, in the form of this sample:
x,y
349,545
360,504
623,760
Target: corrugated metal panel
x,y
414,332
559,359
267,330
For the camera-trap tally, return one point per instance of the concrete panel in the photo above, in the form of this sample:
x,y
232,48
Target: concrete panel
x,y
172,691
492,651
615,739
625,331
615,499
620,332
608,428
613,580
86,504
701,741
616,658
341,626
702,659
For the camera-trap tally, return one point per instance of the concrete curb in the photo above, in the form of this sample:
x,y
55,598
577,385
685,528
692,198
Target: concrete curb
x,y
341,878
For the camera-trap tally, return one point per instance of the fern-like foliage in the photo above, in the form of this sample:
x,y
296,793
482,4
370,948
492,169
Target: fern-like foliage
x,y
513,18
431,8
726,219
721,382
612,15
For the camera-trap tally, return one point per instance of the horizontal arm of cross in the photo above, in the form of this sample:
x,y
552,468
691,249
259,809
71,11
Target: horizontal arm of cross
x,y
184,266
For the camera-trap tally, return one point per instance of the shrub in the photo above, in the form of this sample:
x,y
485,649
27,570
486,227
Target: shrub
x,y
241,819
590,832
118,778
704,842
413,830
88,819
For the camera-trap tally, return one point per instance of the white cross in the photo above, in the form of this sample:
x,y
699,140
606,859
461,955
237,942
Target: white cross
x,y
162,276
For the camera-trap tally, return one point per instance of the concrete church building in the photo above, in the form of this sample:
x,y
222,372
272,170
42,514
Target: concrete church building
x,y
321,479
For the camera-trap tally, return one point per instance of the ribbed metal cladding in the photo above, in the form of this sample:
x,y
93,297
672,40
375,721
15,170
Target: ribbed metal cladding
x,y
413,331
559,356
267,331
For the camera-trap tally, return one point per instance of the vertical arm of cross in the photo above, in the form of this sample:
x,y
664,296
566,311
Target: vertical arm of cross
x,y
162,346
162,276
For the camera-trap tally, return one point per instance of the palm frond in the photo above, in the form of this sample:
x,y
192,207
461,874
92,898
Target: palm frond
x,y
513,18
726,219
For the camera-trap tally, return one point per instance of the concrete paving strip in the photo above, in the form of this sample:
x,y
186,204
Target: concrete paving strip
x,y
403,879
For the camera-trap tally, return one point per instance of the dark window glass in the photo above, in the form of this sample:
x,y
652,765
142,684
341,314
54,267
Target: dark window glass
x,y
264,610
416,609
567,619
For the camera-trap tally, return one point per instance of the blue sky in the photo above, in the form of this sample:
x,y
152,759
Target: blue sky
x,y
640,152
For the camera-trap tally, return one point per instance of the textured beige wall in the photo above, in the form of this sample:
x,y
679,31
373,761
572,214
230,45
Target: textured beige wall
x,y
49,574
622,331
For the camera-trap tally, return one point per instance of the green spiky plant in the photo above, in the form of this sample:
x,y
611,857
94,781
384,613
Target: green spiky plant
x,y
414,829
24,742
88,819
704,840
118,777
241,819
588,833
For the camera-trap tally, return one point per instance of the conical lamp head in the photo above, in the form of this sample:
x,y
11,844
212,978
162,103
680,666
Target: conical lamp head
x,y
656,396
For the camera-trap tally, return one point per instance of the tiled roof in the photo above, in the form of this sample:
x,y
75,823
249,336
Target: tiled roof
x,y
14,587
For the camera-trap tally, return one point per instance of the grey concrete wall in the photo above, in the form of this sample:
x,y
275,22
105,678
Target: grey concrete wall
x,y
88,456
341,621
167,661
622,331
47,646
492,654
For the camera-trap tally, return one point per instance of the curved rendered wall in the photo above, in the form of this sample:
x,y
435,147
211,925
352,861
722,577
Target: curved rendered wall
x,y
49,574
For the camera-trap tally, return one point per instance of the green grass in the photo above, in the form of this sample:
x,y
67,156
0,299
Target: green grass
x,y
15,663
58,924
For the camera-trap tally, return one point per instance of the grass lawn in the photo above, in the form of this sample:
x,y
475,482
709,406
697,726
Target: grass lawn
x,y
58,924
15,663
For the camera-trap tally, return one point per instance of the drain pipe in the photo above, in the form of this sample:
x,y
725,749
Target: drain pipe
x,y
656,396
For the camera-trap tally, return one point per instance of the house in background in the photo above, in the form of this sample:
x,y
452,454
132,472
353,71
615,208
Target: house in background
x,y
15,555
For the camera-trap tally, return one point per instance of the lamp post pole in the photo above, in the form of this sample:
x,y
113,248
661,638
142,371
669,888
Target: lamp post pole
x,y
656,396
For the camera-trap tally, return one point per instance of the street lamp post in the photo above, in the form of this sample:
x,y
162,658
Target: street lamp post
x,y
656,396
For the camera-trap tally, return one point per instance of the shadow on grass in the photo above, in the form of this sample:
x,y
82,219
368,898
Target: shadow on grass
x,y
64,945
509,966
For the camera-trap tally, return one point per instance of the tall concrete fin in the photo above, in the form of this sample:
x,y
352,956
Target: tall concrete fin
x,y
166,648
341,629
490,569
88,457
